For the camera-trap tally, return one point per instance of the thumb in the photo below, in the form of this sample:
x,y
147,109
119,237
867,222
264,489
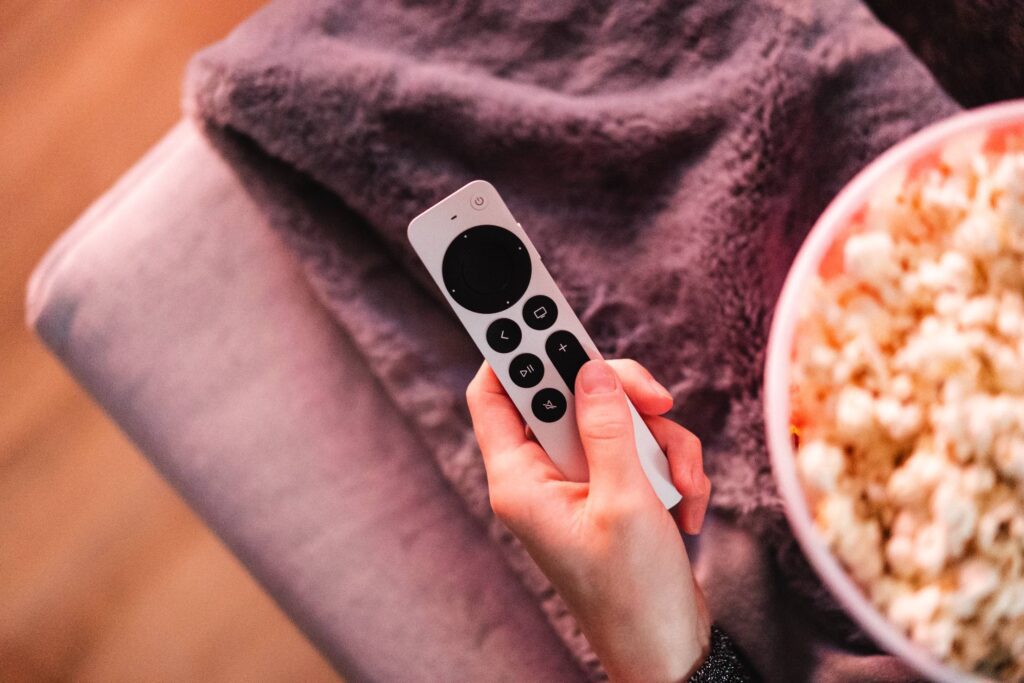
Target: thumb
x,y
606,429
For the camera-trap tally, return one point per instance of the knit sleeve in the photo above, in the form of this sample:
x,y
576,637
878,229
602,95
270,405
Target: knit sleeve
x,y
724,664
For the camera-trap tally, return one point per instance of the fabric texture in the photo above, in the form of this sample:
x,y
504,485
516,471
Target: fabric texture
x,y
666,158
986,62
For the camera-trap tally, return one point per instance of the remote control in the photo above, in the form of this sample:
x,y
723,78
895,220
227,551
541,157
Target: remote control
x,y
494,279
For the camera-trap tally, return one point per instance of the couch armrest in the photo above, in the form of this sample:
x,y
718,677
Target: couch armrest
x,y
172,302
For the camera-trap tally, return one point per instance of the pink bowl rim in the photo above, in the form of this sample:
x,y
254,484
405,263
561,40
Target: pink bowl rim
x,y
777,370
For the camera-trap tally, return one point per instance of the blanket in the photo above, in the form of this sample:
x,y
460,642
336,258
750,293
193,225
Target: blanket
x,y
667,158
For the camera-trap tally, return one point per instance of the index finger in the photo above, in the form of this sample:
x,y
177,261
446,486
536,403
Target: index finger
x,y
686,465
498,425
510,457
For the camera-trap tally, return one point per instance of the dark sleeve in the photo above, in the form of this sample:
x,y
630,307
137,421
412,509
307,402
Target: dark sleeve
x,y
724,663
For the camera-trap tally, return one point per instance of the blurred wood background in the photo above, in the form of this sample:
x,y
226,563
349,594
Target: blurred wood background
x,y
105,575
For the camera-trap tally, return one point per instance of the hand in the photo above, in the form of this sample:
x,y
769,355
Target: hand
x,y
608,545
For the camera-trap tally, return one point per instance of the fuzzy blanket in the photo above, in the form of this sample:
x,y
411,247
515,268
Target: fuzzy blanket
x,y
666,157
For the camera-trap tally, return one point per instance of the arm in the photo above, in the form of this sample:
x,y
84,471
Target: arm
x,y
609,547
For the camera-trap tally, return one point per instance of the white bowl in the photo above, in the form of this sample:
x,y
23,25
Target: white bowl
x,y
777,374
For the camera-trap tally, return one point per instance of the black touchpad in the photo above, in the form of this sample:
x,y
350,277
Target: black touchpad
x,y
486,269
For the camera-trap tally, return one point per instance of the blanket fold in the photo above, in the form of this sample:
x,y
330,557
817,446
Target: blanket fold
x,y
667,158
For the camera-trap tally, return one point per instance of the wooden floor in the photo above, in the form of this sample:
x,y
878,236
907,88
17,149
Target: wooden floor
x,y
105,575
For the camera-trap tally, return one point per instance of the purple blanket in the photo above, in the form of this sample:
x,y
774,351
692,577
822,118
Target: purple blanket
x,y
666,157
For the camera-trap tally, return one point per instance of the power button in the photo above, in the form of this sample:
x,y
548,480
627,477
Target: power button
x,y
478,202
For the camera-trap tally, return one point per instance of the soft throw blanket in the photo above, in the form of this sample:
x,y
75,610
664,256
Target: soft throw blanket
x,y
666,157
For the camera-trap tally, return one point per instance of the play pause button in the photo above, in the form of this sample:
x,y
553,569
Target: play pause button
x,y
526,370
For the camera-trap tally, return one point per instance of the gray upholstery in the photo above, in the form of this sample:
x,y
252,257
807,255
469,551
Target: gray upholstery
x,y
175,306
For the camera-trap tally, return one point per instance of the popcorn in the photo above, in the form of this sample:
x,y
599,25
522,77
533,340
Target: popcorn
x,y
899,553
976,580
1009,458
955,514
1010,316
1009,602
914,480
854,413
931,548
937,634
909,609
821,464
1006,366
978,235
859,543
979,311
868,257
900,420
993,521
910,369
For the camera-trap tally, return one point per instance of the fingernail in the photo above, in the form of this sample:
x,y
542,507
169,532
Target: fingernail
x,y
697,520
658,388
697,515
597,377
696,479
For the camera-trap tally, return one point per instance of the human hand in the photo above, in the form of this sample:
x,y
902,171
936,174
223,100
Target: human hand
x,y
608,545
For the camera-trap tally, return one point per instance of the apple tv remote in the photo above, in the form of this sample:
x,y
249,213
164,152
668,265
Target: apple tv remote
x,y
494,279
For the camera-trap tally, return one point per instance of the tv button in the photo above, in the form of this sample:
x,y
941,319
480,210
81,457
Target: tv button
x,y
540,312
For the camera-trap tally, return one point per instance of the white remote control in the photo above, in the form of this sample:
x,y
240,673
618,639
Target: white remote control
x,y
495,281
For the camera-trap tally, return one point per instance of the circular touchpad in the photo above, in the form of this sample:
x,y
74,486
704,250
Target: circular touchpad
x,y
486,269
489,270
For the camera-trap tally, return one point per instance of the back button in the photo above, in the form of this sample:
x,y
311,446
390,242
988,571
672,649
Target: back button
x,y
503,335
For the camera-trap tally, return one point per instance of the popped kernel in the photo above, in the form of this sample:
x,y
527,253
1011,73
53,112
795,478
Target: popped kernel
x,y
908,380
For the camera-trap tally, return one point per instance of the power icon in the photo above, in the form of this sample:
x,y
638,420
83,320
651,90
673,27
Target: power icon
x,y
478,202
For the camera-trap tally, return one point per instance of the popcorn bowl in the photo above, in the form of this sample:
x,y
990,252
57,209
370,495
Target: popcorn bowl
x,y
829,228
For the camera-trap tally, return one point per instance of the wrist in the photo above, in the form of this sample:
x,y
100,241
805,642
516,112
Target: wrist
x,y
651,653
